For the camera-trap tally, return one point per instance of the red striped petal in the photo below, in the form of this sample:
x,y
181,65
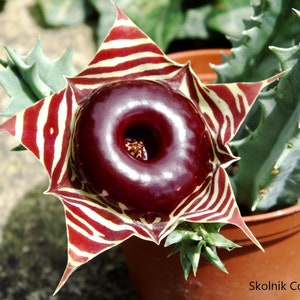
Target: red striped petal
x,y
46,130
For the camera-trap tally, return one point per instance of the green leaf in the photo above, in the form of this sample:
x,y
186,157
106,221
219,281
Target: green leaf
x,y
221,241
51,72
174,237
194,23
182,233
175,249
2,4
228,15
107,16
29,73
27,79
193,240
63,12
211,235
190,256
20,95
19,148
211,255
161,19
195,255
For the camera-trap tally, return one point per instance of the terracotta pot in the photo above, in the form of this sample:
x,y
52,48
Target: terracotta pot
x,y
201,60
253,274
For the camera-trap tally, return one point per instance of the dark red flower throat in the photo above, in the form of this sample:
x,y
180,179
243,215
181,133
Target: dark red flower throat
x,y
140,145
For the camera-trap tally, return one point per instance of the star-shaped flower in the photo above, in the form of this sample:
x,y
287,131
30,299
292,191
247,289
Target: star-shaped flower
x,y
116,185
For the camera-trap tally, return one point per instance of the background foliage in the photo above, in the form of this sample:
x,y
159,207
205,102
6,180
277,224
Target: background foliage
x,y
165,21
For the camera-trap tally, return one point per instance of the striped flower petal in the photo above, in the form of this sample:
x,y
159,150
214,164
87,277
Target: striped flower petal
x,y
46,129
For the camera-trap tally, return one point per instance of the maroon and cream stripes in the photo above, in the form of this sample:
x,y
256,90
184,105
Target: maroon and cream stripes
x,y
46,130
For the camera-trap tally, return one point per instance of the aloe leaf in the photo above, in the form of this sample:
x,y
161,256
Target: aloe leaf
x,y
51,72
20,95
29,73
27,79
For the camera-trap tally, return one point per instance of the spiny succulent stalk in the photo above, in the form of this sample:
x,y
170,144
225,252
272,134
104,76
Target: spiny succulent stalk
x,y
27,79
109,191
273,24
267,176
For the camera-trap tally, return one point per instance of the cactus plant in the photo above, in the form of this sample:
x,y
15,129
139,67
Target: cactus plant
x,y
267,175
55,120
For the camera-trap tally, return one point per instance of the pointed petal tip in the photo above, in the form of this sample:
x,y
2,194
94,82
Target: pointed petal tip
x,y
67,273
9,126
242,225
274,78
119,12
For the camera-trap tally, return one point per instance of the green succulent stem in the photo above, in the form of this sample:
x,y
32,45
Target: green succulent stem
x,y
193,240
32,77
267,177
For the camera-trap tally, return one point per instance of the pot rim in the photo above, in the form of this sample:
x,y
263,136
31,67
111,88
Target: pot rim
x,y
257,217
273,215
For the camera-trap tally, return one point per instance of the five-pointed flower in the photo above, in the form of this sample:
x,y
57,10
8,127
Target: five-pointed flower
x,y
135,144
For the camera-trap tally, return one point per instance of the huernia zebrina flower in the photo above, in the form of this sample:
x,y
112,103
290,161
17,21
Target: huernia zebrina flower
x,y
136,144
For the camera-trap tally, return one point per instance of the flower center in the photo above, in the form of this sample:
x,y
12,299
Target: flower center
x,y
136,148
141,142
142,145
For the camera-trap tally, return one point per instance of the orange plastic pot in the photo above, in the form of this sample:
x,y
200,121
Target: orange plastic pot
x,y
253,274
